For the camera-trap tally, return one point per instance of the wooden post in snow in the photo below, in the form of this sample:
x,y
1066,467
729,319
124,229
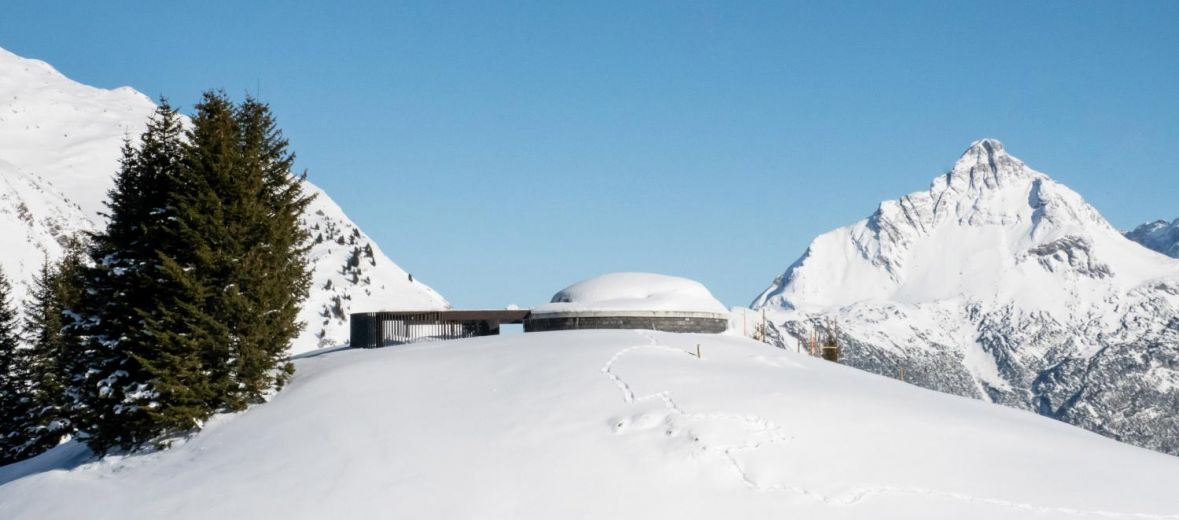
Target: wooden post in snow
x,y
697,351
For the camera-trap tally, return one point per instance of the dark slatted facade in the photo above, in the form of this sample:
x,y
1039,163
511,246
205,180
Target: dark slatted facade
x,y
379,329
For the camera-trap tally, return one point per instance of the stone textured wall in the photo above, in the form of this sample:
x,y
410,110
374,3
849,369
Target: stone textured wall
x,y
660,323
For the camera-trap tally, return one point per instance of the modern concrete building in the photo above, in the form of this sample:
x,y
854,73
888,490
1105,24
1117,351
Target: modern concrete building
x,y
380,329
613,301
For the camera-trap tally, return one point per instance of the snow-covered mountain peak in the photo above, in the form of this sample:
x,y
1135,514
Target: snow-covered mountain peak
x,y
989,186
1001,283
10,61
59,150
990,229
64,131
29,70
985,163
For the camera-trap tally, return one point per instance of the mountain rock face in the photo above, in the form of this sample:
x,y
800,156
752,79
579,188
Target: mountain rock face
x,y
1159,235
1001,284
59,151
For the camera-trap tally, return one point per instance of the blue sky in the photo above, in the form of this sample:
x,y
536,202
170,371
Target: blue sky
x,y
502,151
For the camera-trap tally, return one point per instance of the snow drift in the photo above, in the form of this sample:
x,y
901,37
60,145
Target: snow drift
x,y
605,424
59,149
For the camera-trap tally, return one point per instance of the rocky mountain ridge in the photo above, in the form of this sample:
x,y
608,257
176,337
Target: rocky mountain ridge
x,y
1160,235
1001,284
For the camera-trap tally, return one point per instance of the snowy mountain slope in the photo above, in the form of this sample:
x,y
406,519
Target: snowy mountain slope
x,y
68,133
1002,284
1159,235
36,222
605,424
68,136
351,274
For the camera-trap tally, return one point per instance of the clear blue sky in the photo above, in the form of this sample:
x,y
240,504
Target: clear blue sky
x,y
502,151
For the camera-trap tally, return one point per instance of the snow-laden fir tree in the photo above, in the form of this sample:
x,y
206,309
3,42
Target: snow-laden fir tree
x,y
48,358
15,401
131,387
274,275
245,252
193,295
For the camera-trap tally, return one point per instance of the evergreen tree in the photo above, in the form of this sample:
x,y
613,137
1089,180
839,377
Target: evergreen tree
x,y
277,276
47,364
193,291
129,390
15,402
238,214
205,201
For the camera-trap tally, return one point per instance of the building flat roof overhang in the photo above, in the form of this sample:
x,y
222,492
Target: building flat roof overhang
x,y
508,316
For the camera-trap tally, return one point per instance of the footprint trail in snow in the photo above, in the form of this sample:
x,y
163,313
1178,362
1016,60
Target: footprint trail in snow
x,y
731,435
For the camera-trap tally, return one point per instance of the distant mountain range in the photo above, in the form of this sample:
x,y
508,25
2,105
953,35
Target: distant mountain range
x,y
1001,284
1160,235
59,151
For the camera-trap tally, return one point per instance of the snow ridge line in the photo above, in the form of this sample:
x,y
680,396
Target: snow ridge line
x,y
847,498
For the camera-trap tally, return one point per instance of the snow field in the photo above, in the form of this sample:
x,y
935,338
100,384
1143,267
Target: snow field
x,y
608,424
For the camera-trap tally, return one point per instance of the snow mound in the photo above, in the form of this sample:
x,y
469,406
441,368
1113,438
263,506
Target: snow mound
x,y
634,292
629,424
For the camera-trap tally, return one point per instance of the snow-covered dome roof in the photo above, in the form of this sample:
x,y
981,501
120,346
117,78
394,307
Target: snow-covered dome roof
x,y
634,292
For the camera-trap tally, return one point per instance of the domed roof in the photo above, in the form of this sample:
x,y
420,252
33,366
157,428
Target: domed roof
x,y
634,292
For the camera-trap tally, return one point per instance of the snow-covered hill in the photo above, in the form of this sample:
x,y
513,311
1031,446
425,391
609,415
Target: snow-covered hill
x,y
59,143
605,424
1160,235
999,283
